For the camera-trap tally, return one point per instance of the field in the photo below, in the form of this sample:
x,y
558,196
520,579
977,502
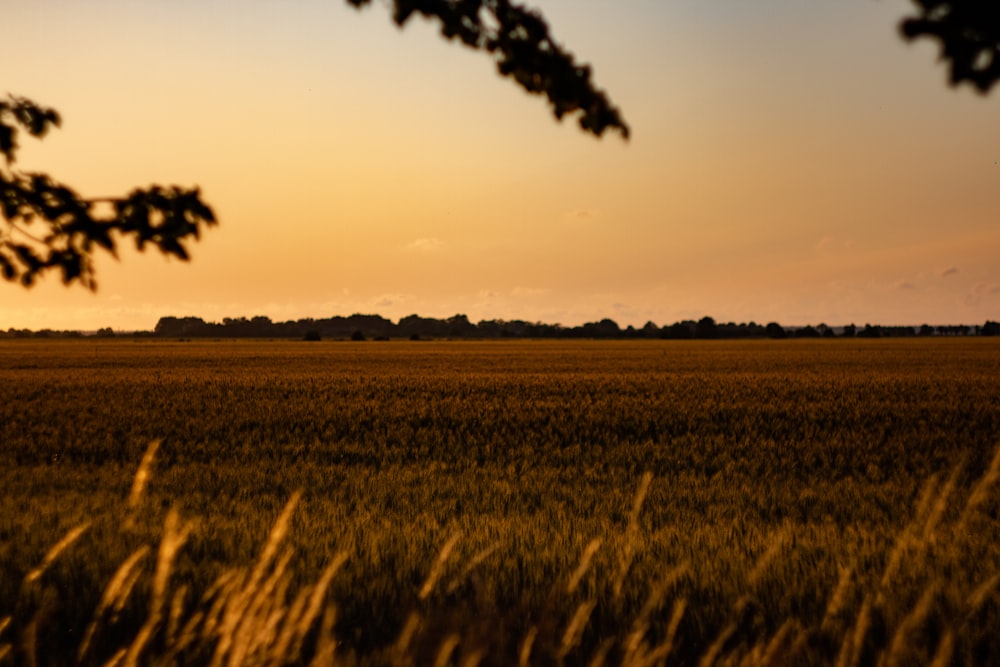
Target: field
x,y
829,502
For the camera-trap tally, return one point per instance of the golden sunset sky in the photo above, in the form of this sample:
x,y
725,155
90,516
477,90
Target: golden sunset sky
x,y
790,161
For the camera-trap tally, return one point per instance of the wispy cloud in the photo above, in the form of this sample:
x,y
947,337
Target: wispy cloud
x,y
425,245
627,311
389,300
979,291
829,243
528,291
950,271
580,214
904,285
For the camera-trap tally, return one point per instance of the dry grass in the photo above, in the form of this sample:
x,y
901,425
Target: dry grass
x,y
258,615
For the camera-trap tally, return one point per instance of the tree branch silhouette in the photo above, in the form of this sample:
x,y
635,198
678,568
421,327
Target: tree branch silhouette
x,y
51,227
518,40
969,36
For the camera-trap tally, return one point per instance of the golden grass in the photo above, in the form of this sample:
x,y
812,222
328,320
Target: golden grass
x,y
258,616
53,553
544,505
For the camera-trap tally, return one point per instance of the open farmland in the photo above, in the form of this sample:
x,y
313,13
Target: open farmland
x,y
549,503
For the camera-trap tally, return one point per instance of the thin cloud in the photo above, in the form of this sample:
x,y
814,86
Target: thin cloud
x,y
979,291
581,214
628,312
904,285
829,243
528,291
387,300
950,271
425,245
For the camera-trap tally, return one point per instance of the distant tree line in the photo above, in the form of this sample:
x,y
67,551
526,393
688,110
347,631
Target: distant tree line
x,y
414,327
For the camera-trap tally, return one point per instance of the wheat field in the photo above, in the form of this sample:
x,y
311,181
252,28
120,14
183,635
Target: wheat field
x,y
500,503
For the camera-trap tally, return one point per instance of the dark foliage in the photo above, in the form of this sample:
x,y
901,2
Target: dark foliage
x,y
49,226
375,327
365,327
518,40
969,35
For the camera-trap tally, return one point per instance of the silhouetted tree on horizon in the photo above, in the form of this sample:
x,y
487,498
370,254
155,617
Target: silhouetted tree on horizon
x,y
775,330
706,328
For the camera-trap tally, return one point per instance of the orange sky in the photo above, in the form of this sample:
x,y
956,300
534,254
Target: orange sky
x,y
790,161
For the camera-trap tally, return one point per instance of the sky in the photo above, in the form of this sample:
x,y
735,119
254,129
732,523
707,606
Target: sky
x,y
789,161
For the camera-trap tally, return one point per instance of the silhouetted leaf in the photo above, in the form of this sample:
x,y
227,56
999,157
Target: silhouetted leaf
x,y
72,267
103,239
26,256
7,142
7,267
173,247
